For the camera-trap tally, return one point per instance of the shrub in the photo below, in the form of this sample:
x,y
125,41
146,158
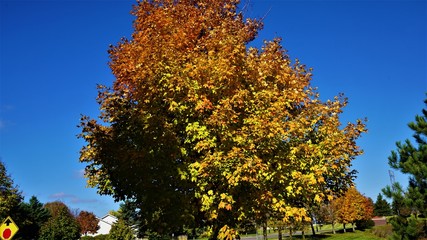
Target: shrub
x,y
382,231
101,237
97,237
87,238
364,224
121,231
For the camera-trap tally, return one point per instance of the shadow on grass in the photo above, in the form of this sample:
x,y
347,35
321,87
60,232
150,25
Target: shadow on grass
x,y
324,235
317,236
340,235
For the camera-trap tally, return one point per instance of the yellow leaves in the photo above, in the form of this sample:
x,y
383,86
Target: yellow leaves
x,y
318,198
227,199
199,134
289,190
296,174
223,196
222,201
224,205
183,174
312,179
213,214
227,233
321,180
172,106
207,201
203,105
295,215
194,170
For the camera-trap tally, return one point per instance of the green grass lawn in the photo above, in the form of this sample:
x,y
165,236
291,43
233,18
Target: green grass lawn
x,y
326,233
357,235
367,235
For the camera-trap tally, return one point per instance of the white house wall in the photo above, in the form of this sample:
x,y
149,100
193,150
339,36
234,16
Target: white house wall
x,y
105,225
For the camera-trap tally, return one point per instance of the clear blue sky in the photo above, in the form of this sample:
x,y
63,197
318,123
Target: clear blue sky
x,y
53,53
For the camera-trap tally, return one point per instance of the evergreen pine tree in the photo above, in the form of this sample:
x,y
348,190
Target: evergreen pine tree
x,y
411,158
31,216
381,207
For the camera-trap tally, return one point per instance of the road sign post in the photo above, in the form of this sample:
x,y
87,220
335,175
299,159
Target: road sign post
x,y
8,229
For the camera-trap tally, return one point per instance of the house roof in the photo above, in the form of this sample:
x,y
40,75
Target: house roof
x,y
103,219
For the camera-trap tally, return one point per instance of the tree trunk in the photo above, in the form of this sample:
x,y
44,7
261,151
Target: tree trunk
x,y
280,232
303,234
333,227
264,230
344,226
215,231
425,224
312,229
353,226
290,233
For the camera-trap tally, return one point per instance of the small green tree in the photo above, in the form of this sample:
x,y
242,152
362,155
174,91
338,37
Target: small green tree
x,y
121,231
381,207
62,225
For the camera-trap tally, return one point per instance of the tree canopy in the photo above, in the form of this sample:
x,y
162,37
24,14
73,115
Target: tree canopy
x,y
61,225
353,206
197,121
88,222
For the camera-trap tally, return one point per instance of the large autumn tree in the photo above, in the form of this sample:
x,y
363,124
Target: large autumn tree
x,y
198,121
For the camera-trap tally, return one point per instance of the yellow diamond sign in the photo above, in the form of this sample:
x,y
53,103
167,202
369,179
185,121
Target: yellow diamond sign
x,y
8,229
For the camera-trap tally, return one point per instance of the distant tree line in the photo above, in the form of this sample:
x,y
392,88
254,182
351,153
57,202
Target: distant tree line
x,y
53,220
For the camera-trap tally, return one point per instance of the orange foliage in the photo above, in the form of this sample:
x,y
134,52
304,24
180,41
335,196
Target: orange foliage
x,y
353,206
88,222
240,127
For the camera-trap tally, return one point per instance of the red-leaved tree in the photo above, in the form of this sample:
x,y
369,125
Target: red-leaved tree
x,y
88,222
